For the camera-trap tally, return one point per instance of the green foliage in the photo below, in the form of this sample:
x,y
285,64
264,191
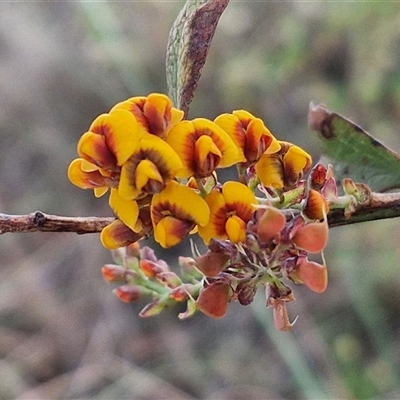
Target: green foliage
x,y
353,152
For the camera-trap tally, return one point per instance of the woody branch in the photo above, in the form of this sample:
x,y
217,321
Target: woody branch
x,y
380,206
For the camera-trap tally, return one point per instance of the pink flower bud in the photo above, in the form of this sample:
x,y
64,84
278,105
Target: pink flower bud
x,y
183,292
313,275
130,293
213,299
151,268
312,237
113,273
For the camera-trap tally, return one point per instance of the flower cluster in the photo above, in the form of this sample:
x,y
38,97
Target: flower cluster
x,y
161,173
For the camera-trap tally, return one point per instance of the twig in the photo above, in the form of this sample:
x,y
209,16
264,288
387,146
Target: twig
x,y
41,222
380,206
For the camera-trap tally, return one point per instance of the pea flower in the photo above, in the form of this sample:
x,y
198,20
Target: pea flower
x,y
175,212
249,134
110,141
231,209
202,146
283,169
154,113
149,168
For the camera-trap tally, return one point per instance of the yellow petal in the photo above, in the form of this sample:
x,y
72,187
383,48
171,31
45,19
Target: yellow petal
x,y
232,125
269,169
240,195
158,112
126,210
135,106
86,180
180,201
216,226
121,131
93,148
98,192
126,187
235,228
207,156
297,160
170,231
230,154
176,116
184,135
158,152
147,171
161,154
87,166
117,235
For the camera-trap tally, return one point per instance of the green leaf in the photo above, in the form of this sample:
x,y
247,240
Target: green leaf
x,y
353,152
188,44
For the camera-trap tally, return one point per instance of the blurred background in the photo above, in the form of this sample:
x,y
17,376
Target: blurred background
x,y
63,334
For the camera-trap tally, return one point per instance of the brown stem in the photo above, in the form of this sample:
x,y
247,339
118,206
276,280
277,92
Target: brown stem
x,y
379,206
41,222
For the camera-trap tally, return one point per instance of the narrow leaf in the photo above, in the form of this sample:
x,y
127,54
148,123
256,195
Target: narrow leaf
x,y
188,44
354,152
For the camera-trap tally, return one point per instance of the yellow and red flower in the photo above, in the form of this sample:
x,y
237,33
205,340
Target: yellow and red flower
x,y
249,134
231,209
117,235
175,212
283,169
110,141
88,176
154,113
149,168
202,146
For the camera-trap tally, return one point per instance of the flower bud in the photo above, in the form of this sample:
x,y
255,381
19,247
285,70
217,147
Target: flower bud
x,y
349,187
169,279
133,249
212,263
330,191
312,237
316,206
146,253
130,293
151,268
113,273
313,275
318,177
213,299
153,308
188,268
270,223
183,292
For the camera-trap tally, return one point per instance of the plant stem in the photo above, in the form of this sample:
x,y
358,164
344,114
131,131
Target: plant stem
x,y
379,206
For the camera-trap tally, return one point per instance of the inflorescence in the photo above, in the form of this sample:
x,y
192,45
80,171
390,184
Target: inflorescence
x,y
161,174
